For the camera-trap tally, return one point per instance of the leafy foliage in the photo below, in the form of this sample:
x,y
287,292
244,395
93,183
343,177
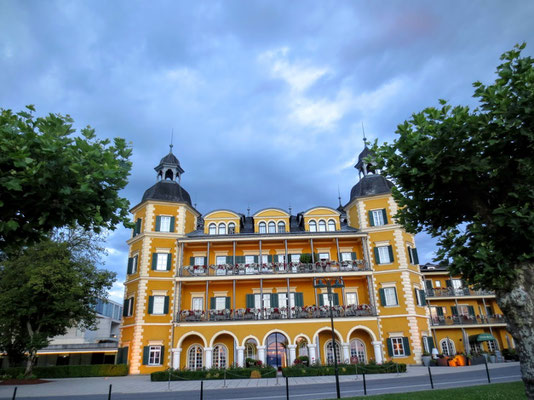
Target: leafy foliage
x,y
212,373
467,176
344,369
51,177
71,371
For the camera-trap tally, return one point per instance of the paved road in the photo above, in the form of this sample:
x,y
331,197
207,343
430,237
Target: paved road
x,y
320,391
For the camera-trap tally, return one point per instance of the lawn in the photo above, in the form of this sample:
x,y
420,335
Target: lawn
x,y
496,391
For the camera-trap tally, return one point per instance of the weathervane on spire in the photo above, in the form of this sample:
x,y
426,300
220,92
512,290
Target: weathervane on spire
x,y
364,138
172,135
339,195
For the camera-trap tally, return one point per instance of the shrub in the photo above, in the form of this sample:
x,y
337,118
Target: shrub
x,y
344,369
213,373
71,371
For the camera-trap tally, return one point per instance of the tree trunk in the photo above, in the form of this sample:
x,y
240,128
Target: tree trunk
x,y
32,355
518,308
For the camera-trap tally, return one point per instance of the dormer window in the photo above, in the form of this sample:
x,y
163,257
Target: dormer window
x,y
222,229
262,227
272,227
231,228
213,229
322,226
281,227
313,226
331,225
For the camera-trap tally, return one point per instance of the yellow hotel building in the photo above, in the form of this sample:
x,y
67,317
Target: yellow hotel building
x,y
216,289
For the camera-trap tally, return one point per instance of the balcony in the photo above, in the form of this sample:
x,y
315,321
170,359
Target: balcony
x,y
457,292
274,268
275,313
467,320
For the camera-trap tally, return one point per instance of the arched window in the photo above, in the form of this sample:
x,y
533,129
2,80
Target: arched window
x,y
357,349
313,226
231,228
331,225
322,226
250,349
222,229
169,174
272,227
194,357
263,227
219,356
447,347
281,227
330,354
302,347
213,229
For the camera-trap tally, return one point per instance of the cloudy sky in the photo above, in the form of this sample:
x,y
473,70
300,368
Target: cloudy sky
x,y
266,98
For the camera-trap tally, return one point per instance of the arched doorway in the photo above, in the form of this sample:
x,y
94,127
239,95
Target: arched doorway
x,y
277,350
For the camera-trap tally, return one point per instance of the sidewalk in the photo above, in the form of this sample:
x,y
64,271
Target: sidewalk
x,y
142,383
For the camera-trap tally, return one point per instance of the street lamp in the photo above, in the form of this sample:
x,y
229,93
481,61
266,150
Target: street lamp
x,y
327,283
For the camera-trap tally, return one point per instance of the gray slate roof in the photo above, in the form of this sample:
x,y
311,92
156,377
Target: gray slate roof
x,y
169,191
370,185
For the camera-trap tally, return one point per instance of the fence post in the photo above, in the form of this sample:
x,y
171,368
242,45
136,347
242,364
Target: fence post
x,y
430,376
356,370
169,381
364,383
109,394
201,390
14,393
224,385
287,388
487,370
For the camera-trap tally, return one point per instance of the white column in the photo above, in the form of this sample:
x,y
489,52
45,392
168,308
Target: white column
x,y
240,356
378,351
346,353
208,357
261,354
292,353
312,354
176,358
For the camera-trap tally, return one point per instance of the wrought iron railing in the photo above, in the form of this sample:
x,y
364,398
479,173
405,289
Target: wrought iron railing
x,y
467,320
457,292
274,313
274,268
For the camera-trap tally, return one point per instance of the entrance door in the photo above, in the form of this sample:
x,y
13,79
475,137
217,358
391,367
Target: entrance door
x,y
276,350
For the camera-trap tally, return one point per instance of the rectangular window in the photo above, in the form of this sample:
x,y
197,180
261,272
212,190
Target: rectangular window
x,y
220,303
161,264
154,355
199,261
198,303
134,264
249,259
295,258
390,295
378,217
346,256
127,310
282,299
437,284
383,255
165,224
326,301
266,300
457,283
281,258
264,258
352,298
324,256
398,346
159,305
220,260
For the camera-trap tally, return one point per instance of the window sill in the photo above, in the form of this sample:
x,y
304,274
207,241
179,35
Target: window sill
x,y
391,306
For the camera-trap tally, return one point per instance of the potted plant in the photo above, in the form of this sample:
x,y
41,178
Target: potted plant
x,y
426,358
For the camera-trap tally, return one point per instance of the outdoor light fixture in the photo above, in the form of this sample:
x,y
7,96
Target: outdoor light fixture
x,y
327,283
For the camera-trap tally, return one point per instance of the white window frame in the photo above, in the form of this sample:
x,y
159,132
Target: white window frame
x,y
391,297
250,350
437,284
221,229
154,355
161,262
262,227
419,295
361,352
282,299
378,217
397,344
129,310
220,260
200,304
331,224
199,261
220,303
220,356
281,227
158,307
164,223
457,284
447,351
135,261
383,255
324,257
313,224
326,300
281,258
266,300
231,228
271,227
295,258
329,354
212,229
321,226
197,362
349,301
346,256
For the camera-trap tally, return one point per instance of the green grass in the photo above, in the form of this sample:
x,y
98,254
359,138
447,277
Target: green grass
x,y
496,391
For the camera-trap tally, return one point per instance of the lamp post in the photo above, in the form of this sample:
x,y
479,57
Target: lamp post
x,y
327,283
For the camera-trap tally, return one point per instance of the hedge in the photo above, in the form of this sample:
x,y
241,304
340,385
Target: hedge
x,y
213,373
344,369
70,371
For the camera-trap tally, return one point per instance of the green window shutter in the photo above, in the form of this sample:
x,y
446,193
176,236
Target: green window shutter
x,y
335,299
212,303
229,260
406,345
299,299
410,255
321,299
158,223
353,256
371,221
423,298
390,250
162,355
205,260
385,215
150,304
390,347
415,256
316,257
454,311
227,303
240,259
396,297
191,260
439,311
377,256
428,284
173,221
130,265
417,297
270,258
250,301
166,305
169,261
430,342
448,283
471,310
146,351
256,258
154,260
382,297
274,300
125,308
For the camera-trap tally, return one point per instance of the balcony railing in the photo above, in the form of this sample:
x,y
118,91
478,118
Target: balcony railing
x,y
274,268
273,313
457,292
467,320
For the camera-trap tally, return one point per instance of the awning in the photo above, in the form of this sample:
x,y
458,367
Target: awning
x,y
483,337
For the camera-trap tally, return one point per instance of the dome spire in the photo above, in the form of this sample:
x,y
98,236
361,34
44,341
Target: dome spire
x,y
169,167
365,167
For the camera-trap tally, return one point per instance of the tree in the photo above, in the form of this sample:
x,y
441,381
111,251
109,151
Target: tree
x,y
467,177
45,289
51,177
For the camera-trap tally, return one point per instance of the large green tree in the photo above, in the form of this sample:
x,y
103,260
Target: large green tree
x,y
47,288
51,176
467,177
